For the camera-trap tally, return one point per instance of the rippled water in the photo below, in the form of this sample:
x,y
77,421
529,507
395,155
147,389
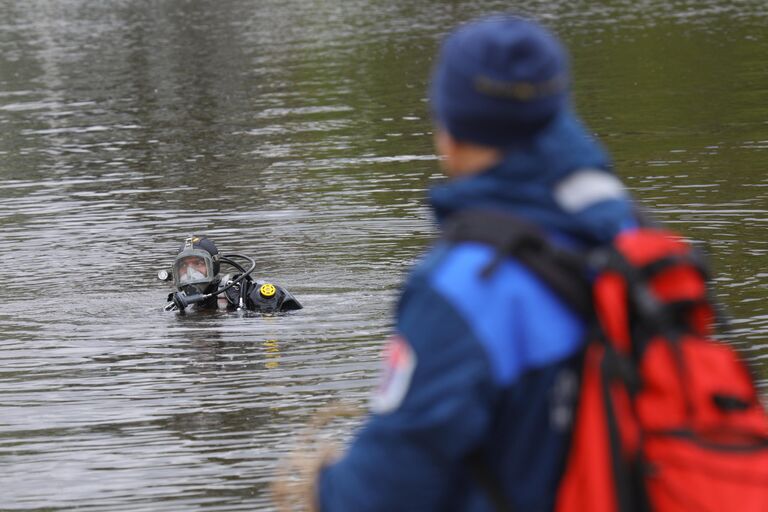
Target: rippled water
x,y
296,132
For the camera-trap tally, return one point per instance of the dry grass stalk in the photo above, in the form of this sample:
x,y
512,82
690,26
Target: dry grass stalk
x,y
294,485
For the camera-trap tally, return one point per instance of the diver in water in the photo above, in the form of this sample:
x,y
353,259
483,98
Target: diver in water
x,y
195,275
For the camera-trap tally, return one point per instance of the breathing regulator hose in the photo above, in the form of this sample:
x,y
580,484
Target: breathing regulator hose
x,y
180,300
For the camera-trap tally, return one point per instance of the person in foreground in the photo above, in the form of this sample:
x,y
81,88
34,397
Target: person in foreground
x,y
485,368
198,283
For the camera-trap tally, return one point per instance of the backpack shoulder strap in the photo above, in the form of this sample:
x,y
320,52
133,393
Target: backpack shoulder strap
x,y
565,272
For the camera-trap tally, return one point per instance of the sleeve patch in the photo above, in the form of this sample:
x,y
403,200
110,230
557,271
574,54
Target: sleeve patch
x,y
587,187
399,363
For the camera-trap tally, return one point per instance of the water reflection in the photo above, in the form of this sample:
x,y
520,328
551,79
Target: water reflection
x,y
297,132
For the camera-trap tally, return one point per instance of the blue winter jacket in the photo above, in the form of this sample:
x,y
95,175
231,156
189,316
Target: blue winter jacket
x,y
491,364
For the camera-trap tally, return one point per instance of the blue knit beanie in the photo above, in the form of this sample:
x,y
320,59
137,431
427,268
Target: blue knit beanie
x,y
499,81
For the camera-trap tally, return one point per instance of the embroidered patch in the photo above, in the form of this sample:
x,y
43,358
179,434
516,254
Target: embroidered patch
x,y
399,363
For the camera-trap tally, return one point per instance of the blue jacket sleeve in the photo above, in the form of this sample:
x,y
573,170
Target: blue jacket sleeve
x,y
409,458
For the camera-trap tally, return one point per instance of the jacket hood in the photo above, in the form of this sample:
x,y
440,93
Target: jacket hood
x,y
560,180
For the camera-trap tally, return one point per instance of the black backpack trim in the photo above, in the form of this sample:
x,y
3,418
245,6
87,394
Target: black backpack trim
x,y
565,272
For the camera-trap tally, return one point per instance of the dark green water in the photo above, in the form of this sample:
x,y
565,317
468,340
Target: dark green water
x,y
297,132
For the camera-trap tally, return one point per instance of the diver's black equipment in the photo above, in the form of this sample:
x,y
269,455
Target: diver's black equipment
x,y
195,274
270,298
191,295
181,300
243,289
262,297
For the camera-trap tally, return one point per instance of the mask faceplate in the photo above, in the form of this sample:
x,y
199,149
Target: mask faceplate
x,y
193,267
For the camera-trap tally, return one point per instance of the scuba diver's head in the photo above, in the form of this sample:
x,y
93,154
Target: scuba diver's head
x,y
196,266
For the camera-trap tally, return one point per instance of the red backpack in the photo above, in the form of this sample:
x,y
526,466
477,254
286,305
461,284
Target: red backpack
x,y
668,418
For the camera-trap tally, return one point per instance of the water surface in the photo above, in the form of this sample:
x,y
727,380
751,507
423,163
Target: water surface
x,y
296,132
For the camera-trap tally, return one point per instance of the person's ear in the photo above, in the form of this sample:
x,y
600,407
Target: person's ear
x,y
448,149
460,158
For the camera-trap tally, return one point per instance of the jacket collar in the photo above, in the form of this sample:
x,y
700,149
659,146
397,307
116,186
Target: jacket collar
x,y
524,184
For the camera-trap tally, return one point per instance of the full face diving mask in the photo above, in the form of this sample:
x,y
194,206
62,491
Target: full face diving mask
x,y
193,270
